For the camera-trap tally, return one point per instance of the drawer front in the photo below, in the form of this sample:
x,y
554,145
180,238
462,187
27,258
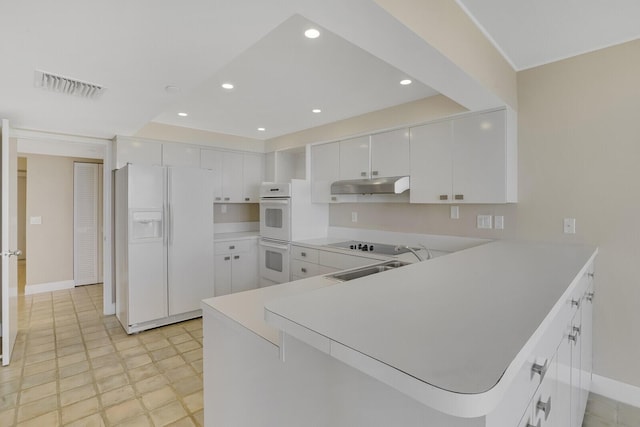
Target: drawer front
x,y
235,246
304,269
343,262
304,254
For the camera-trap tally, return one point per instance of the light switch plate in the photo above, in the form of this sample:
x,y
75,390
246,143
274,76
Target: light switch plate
x,y
498,222
569,226
354,216
455,212
35,220
483,221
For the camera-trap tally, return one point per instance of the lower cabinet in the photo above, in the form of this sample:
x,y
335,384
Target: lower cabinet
x,y
309,262
236,266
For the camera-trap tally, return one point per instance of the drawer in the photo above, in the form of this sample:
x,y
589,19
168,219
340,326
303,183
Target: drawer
x,y
343,261
304,269
304,254
235,246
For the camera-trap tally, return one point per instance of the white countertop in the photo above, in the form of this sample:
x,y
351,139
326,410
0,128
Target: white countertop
x,y
238,235
455,323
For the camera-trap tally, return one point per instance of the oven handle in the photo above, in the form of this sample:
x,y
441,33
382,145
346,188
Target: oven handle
x,y
275,201
275,246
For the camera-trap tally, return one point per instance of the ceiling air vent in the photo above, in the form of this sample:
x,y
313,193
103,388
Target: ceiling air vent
x,y
67,85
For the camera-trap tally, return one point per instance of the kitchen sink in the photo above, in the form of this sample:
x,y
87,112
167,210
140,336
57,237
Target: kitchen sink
x,y
366,271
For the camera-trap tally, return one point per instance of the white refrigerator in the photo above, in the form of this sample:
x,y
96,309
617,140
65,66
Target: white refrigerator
x,y
164,244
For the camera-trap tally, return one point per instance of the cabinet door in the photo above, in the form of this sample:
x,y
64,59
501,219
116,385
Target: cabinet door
x,y
354,158
138,152
244,271
544,400
222,275
176,154
586,358
212,159
325,169
562,404
479,158
253,166
390,154
576,393
431,166
232,176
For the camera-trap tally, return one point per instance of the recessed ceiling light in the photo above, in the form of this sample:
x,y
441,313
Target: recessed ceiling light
x,y
405,82
312,33
183,114
316,110
227,86
262,129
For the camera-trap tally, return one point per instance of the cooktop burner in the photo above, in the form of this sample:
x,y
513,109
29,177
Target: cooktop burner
x,y
376,248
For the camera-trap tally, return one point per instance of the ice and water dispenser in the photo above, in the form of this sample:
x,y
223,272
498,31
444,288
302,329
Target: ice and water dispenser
x,y
146,226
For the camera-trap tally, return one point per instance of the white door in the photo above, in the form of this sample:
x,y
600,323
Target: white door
x,y
222,274
9,233
190,238
85,223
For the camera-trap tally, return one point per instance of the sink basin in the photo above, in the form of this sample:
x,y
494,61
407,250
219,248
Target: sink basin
x,y
366,271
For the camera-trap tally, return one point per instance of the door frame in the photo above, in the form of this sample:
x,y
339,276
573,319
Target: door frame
x,y
44,143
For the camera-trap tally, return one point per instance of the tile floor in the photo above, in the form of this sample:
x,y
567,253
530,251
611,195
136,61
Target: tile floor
x,y
604,412
72,366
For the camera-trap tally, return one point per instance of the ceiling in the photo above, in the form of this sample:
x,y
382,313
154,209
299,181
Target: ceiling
x,y
137,49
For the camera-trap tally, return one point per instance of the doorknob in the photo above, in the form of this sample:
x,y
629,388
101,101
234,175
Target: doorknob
x,y
17,252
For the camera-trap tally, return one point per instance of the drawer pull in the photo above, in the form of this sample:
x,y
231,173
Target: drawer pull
x,y
246,199
540,369
459,197
304,270
590,296
334,199
227,198
590,275
227,258
218,198
236,257
232,247
374,173
577,330
544,407
303,254
363,174
575,303
444,197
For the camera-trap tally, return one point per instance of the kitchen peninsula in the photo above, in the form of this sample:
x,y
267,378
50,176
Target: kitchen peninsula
x,y
487,336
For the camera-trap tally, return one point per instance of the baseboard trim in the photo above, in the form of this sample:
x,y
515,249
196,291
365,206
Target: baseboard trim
x,y
616,390
48,287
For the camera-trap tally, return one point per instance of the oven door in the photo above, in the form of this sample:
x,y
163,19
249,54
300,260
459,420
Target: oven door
x,y
275,218
274,262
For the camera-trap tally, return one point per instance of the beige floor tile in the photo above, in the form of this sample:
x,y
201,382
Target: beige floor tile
x,y
157,344
168,414
8,400
107,370
100,351
193,355
157,398
199,418
163,353
37,379
10,373
171,363
183,347
132,351
118,395
77,394
126,343
49,419
74,369
185,422
39,367
188,385
139,421
114,381
100,342
37,408
70,359
39,348
71,349
35,358
9,387
150,384
81,409
38,392
94,420
194,402
124,411
198,366
145,371
7,417
628,416
96,335
180,372
177,339
107,359
75,381
137,361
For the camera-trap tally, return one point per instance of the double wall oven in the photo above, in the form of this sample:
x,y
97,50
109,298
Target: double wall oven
x,y
275,233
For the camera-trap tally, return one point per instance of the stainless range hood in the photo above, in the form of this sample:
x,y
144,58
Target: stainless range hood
x,y
388,185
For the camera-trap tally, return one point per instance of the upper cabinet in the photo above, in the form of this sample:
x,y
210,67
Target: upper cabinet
x,y
390,154
469,159
238,175
379,155
182,155
137,151
325,169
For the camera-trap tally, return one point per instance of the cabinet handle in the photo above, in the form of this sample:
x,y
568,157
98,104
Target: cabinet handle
x,y
577,330
540,369
246,199
232,247
573,338
374,173
303,254
236,257
227,198
459,197
363,174
444,197
591,275
218,198
333,199
590,296
531,425
575,303
227,258
304,270
544,407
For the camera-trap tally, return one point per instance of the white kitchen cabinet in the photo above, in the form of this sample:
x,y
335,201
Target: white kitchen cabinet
x,y
252,177
236,266
141,152
354,158
390,154
309,262
232,177
467,159
182,155
213,159
325,169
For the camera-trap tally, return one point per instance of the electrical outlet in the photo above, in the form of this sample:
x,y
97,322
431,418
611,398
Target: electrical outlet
x,y
223,208
498,222
484,221
569,226
354,216
455,212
